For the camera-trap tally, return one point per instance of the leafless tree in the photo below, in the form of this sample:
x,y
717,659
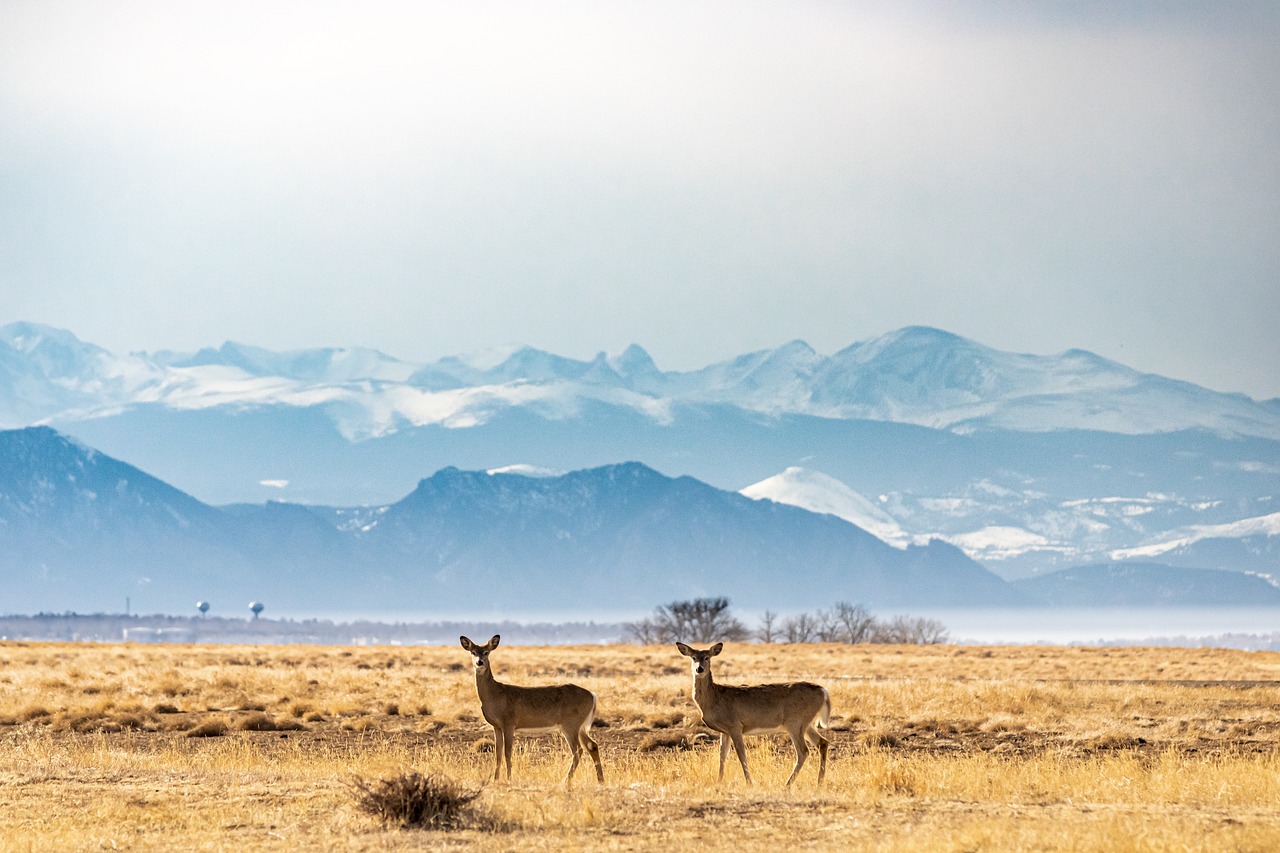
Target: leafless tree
x,y
801,628
826,629
856,622
768,632
700,620
911,629
849,623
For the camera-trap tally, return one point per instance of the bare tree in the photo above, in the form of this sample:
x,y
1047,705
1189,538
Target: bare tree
x,y
646,632
768,632
930,632
801,628
849,623
911,629
700,620
826,628
856,622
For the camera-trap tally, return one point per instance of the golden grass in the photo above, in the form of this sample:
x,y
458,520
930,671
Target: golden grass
x,y
935,748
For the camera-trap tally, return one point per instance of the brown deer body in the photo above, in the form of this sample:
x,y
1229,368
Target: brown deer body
x,y
566,708
797,708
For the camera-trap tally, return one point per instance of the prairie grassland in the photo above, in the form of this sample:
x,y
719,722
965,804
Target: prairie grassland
x,y
127,747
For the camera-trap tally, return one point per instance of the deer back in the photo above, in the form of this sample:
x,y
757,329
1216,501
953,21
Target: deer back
x,y
513,706
761,706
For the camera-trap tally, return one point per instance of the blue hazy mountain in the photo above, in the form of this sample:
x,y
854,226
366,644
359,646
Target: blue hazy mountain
x,y
1139,584
80,530
627,533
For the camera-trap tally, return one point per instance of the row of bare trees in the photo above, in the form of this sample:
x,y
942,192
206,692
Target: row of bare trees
x,y
705,620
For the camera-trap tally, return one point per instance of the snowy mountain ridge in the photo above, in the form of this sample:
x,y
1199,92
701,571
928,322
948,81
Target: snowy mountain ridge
x,y
916,375
1077,531
820,493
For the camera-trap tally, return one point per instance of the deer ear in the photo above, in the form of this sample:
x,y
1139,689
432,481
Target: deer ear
x,y
716,649
493,642
466,643
684,650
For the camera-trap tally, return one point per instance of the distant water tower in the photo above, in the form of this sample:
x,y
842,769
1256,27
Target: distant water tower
x,y
257,607
203,607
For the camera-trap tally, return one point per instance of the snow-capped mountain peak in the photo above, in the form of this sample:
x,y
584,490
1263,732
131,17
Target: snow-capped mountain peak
x,y
917,375
817,492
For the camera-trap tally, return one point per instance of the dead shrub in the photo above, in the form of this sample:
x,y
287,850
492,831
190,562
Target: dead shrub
x,y
679,742
209,728
665,721
1114,740
176,724
66,721
1002,724
414,800
259,722
878,737
130,722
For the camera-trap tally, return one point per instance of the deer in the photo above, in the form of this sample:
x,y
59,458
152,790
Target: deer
x,y
797,708
509,708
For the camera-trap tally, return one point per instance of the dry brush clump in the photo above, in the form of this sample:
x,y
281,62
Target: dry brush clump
x,y
414,800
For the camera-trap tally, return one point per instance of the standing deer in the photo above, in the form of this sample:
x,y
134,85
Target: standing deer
x,y
759,709
566,708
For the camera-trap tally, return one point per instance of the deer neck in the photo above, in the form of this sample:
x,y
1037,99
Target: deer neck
x,y
705,688
486,684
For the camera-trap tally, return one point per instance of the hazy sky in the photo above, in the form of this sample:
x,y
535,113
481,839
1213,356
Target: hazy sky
x,y
701,178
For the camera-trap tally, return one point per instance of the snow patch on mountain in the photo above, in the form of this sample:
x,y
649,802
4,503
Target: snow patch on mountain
x,y
524,470
999,542
1266,525
817,492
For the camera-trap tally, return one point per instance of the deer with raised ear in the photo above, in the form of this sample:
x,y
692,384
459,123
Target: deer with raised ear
x,y
566,708
797,708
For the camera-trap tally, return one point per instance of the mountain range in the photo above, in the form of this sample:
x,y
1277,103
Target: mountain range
x,y
1026,463
80,530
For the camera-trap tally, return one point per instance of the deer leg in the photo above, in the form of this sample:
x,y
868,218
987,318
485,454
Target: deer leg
x,y
508,738
821,741
741,748
497,753
575,749
802,752
594,749
724,753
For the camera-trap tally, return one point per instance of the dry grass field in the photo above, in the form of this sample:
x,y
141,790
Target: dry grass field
x,y
235,748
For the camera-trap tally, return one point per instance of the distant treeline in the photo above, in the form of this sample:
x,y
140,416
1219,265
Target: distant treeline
x,y
707,620
112,627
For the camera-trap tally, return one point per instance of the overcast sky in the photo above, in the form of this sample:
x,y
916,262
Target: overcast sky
x,y
700,178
